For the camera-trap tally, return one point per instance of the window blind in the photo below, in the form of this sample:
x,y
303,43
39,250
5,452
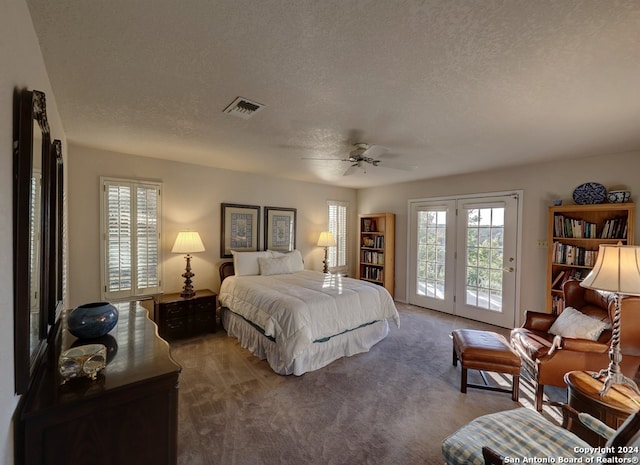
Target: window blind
x,y
131,251
337,219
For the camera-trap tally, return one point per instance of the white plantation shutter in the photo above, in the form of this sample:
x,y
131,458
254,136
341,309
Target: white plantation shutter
x,y
131,238
147,235
338,219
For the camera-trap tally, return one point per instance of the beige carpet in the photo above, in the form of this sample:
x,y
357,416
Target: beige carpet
x,y
392,405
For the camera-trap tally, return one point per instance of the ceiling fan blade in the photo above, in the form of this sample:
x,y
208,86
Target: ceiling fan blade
x,y
395,165
374,151
351,170
327,159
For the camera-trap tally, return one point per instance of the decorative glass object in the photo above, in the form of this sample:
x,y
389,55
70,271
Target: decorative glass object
x,y
92,320
82,361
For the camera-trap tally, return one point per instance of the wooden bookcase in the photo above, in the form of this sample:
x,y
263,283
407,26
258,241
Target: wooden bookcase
x,y
376,249
574,234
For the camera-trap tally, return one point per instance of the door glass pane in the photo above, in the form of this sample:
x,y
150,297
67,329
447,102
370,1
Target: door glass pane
x,y
431,253
485,234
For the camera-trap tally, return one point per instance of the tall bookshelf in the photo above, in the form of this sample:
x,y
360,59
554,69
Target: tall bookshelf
x,y
574,234
376,249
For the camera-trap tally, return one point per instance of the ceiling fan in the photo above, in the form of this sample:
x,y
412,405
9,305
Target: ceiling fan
x,y
365,154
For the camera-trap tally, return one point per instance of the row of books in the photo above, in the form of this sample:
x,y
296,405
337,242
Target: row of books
x,y
375,242
557,305
566,254
373,273
376,258
565,275
571,227
613,228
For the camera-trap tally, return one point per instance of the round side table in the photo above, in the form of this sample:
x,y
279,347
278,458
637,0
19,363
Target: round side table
x,y
583,391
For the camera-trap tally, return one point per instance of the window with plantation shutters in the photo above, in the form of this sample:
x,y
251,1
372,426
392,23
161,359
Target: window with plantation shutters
x,y
130,238
338,219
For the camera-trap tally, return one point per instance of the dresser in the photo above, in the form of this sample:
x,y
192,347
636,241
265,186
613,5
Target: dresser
x,y
128,415
179,317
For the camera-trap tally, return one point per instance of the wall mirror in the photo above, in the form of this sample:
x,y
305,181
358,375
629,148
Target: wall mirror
x,y
32,165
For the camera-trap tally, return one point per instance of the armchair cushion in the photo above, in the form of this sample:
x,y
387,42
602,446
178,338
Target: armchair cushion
x,y
519,433
572,323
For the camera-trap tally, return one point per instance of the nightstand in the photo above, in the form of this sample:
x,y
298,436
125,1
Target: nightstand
x,y
583,392
179,317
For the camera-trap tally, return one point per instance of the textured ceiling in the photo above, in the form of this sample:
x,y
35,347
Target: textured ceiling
x,y
449,86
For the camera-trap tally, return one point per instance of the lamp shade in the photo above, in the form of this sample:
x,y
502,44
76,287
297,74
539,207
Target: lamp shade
x,y
326,239
188,242
617,269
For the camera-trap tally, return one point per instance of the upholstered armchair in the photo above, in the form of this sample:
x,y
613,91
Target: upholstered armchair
x,y
515,435
547,357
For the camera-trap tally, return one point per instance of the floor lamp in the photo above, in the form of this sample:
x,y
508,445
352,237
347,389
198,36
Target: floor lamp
x,y
617,270
188,242
326,240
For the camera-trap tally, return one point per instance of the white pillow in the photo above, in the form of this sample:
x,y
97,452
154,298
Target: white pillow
x,y
246,263
572,323
274,265
295,259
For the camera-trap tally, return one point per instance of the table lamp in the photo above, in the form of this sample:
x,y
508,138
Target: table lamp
x,y
326,240
188,242
617,270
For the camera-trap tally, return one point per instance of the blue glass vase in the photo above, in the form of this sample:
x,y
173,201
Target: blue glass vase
x,y
92,320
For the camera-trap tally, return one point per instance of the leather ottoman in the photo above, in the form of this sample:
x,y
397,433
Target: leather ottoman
x,y
485,351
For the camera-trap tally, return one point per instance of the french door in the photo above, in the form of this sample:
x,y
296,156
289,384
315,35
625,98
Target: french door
x,y
463,256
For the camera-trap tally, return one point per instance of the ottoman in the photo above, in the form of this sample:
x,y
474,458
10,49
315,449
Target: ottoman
x,y
485,351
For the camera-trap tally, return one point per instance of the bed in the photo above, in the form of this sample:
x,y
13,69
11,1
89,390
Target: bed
x,y
300,320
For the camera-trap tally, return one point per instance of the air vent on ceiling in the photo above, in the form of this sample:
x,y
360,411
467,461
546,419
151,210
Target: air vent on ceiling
x,y
243,108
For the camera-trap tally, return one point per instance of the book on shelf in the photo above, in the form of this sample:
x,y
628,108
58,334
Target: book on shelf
x,y
557,305
614,228
372,273
565,275
566,254
376,258
555,284
574,228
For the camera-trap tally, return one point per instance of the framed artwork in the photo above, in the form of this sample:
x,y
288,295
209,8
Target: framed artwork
x,y
239,228
280,229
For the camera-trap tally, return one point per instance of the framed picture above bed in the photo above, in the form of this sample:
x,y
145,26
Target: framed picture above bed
x,y
280,229
240,226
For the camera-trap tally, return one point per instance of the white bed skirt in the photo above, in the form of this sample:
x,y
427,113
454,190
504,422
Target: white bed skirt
x,y
318,355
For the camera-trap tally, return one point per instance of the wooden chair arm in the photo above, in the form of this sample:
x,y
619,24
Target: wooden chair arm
x,y
569,414
491,457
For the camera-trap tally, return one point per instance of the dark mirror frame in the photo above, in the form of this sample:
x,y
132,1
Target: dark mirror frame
x,y
54,229
29,109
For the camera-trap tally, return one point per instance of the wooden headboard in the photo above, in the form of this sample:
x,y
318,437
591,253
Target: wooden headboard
x,y
226,270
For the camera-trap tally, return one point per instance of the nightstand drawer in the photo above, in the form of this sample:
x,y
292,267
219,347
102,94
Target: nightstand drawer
x,y
174,310
204,305
175,328
179,317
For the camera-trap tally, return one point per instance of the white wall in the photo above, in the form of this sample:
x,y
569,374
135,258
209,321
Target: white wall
x,y
22,67
191,200
541,183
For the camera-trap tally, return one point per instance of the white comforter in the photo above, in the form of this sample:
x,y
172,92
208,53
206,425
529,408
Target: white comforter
x,y
300,308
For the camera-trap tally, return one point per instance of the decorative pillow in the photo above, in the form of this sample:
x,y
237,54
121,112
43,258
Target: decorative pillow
x,y
295,259
572,323
246,263
275,265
